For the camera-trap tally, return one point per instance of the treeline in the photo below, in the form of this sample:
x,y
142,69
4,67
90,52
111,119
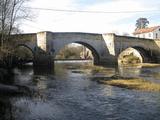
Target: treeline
x,y
70,52
74,52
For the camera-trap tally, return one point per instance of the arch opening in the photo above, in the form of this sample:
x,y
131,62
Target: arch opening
x,y
23,54
78,51
134,55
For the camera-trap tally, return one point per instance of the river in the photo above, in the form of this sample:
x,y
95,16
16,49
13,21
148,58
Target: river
x,y
70,92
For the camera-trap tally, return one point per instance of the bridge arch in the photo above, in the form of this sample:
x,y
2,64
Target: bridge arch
x,y
146,54
139,52
23,54
26,46
95,54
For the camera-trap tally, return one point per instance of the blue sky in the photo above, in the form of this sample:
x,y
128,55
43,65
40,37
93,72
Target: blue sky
x,y
91,22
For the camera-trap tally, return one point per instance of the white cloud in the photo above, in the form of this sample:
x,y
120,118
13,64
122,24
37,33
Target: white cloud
x,y
86,22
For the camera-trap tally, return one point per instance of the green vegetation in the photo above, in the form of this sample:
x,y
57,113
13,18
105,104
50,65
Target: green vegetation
x,y
141,23
134,83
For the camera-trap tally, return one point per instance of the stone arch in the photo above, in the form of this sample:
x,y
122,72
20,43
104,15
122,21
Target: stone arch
x,y
143,54
30,49
26,46
92,49
146,55
95,54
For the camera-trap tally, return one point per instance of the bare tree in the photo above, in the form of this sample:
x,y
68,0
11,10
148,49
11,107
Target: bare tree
x,y
11,11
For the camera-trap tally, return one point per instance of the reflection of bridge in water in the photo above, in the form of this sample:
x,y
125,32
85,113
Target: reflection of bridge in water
x,y
105,48
72,61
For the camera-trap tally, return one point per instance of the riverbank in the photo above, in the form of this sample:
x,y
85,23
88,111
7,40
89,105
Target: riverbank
x,y
149,65
132,83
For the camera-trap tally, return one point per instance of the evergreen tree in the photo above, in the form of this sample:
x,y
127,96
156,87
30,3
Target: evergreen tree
x,y
141,23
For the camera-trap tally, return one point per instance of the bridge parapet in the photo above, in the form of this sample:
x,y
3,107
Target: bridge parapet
x,y
23,38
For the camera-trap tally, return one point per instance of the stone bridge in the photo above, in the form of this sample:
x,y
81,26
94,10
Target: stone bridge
x,y
105,48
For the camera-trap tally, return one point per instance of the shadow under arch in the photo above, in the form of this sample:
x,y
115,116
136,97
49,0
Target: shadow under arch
x,y
22,61
146,55
95,54
26,46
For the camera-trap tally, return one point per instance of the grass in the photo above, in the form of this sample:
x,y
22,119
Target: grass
x,y
150,65
146,65
135,83
94,68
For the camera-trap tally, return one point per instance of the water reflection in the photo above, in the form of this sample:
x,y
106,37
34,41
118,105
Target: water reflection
x,y
70,93
144,71
5,108
129,71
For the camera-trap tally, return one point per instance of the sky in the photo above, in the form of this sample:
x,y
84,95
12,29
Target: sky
x,y
119,23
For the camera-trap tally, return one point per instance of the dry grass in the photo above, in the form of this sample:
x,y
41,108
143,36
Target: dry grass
x,y
146,65
95,68
138,84
150,65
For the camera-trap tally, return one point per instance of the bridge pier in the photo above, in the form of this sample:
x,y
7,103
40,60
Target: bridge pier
x,y
42,56
43,61
112,61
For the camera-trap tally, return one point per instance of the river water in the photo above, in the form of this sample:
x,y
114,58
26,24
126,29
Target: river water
x,y
70,92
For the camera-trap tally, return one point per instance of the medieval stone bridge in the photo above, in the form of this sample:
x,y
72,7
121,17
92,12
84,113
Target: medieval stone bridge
x,y
105,47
